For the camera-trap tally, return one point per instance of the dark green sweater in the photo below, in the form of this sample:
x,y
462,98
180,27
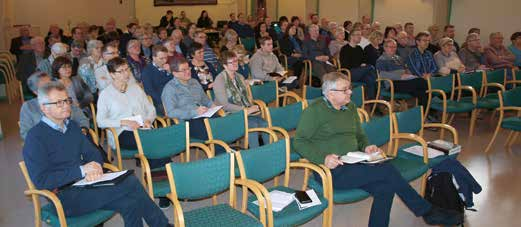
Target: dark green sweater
x,y
323,130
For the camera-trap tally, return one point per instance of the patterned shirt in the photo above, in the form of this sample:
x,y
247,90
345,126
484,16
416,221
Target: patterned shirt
x,y
421,63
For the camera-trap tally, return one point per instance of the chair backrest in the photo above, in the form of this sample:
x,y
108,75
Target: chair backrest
x,y
409,121
248,43
286,117
28,180
266,92
163,142
203,178
496,76
358,96
512,97
228,128
444,83
473,79
265,162
378,130
312,92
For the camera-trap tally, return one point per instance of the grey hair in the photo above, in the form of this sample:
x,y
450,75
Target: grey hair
x,y
339,30
132,42
34,79
36,39
313,26
329,81
43,91
472,36
93,44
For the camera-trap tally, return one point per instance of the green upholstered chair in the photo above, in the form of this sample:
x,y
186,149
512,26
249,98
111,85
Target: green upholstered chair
x,y
206,178
508,101
477,80
287,117
52,213
442,98
411,122
389,93
163,143
267,92
310,94
249,44
267,162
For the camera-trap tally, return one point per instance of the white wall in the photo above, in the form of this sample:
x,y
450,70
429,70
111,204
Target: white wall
x,y
420,12
339,11
501,15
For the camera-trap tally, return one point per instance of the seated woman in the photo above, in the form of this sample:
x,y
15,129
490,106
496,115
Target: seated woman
x,y
76,88
244,61
291,46
373,50
201,70
89,64
230,40
447,60
184,98
204,21
261,31
231,91
337,44
391,66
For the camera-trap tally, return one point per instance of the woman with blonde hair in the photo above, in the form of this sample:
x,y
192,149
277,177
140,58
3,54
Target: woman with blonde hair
x,y
339,41
230,40
244,60
373,50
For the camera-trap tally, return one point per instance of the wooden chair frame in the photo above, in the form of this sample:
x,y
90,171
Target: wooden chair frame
x,y
512,136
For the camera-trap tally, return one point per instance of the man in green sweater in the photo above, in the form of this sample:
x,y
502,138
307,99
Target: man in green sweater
x,y
329,128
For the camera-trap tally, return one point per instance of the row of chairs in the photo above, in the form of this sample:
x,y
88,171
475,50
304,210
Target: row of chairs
x,y
8,76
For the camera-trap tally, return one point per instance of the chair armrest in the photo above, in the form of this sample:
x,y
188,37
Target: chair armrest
x,y
54,199
471,89
263,196
498,85
178,210
262,107
220,143
116,143
455,137
513,82
146,173
415,138
265,130
346,72
161,121
325,179
281,131
110,167
443,95
383,102
290,94
203,147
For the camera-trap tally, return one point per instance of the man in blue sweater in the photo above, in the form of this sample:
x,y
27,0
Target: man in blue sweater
x,y
155,76
57,154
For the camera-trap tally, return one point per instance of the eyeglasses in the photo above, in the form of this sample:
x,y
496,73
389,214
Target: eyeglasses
x,y
60,103
342,90
233,61
111,53
123,70
184,70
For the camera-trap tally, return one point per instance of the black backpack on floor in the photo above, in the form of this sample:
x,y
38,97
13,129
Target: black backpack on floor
x,y
441,192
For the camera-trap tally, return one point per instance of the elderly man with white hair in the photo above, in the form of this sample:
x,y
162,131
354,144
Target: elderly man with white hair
x,y
57,50
27,62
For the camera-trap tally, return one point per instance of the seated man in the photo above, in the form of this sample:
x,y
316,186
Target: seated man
x,y
329,128
184,98
265,65
391,66
316,50
209,55
57,50
27,62
471,54
57,154
155,76
404,50
30,113
498,56
353,57
22,43
243,29
421,62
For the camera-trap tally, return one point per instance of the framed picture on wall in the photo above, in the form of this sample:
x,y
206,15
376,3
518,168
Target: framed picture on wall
x,y
184,2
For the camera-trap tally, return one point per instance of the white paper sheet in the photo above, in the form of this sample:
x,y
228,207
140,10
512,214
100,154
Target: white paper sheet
x,y
210,112
105,177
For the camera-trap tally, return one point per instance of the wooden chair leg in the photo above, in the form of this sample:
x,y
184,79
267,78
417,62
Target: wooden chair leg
x,y
472,122
423,185
493,138
512,140
509,137
443,121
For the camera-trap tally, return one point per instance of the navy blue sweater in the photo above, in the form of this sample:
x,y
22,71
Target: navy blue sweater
x,y
153,82
53,159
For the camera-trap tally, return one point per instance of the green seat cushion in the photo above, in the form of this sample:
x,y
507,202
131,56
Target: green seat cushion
x,y
432,161
397,95
340,196
50,217
161,188
488,102
453,106
290,215
410,169
512,123
218,216
128,154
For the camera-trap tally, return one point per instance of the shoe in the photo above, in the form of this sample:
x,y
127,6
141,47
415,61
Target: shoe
x,y
433,118
439,216
164,203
